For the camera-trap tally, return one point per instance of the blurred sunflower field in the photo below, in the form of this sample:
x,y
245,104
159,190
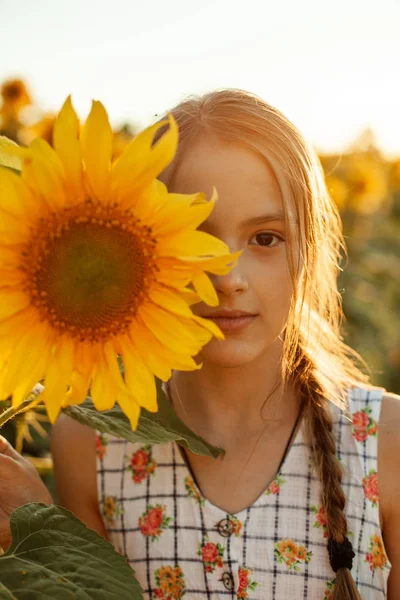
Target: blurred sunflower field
x,y
366,188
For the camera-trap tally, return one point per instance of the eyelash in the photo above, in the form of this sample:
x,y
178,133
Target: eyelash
x,y
267,234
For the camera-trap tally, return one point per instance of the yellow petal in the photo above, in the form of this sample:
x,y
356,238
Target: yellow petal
x,y
168,300
159,359
78,391
151,351
16,198
173,272
102,390
12,228
24,388
110,355
210,326
130,408
145,203
205,289
13,328
68,148
182,362
189,296
219,265
58,375
12,300
141,163
81,377
191,243
178,214
169,329
20,363
11,254
96,150
44,173
138,377
11,277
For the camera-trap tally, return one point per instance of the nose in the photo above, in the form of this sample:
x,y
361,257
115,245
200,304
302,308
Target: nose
x,y
234,282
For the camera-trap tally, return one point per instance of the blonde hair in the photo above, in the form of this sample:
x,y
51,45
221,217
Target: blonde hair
x,y
313,352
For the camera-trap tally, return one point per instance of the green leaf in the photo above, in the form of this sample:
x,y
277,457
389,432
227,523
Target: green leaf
x,y
54,555
154,428
8,160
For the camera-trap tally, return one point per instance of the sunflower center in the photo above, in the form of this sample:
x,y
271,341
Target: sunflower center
x,y
88,270
12,92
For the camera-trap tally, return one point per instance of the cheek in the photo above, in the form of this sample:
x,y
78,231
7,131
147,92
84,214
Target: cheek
x,y
274,292
273,283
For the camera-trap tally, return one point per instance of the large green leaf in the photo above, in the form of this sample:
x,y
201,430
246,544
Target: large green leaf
x,y
8,160
153,428
54,555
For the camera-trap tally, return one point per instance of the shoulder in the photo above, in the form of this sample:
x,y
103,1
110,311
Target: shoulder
x,y
70,439
73,448
390,408
389,484
388,456
72,444
389,429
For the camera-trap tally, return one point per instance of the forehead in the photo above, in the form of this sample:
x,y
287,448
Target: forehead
x,y
246,184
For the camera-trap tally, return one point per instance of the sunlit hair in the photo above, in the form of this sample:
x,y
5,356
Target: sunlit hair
x,y
314,355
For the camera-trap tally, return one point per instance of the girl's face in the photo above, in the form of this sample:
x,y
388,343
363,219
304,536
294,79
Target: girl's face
x,y
260,282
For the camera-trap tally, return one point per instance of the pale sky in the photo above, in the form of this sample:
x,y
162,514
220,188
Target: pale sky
x,y
332,67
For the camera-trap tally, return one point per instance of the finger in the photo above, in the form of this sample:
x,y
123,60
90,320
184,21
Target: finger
x,y
7,450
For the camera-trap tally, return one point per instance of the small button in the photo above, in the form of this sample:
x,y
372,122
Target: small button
x,y
228,581
225,527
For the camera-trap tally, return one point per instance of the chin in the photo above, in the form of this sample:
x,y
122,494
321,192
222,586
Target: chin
x,y
229,353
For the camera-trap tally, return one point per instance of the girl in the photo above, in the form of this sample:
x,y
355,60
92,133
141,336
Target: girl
x,y
293,510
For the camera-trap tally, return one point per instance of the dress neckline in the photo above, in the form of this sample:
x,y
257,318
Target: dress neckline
x,y
295,439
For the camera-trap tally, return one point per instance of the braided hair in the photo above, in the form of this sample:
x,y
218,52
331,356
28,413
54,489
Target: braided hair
x,y
329,470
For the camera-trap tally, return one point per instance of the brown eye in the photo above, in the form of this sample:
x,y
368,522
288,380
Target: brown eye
x,y
265,239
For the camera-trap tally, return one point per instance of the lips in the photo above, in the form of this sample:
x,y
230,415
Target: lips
x,y
229,314
232,323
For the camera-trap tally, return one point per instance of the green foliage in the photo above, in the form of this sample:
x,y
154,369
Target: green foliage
x,y
370,290
54,555
8,160
154,428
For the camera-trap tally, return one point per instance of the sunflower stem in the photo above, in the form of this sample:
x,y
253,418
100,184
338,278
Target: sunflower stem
x,y
30,401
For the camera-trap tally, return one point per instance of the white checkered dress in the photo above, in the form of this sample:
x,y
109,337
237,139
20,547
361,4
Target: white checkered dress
x,y
181,545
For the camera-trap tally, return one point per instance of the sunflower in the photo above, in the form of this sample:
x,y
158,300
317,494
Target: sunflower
x,y
338,190
14,97
42,128
368,184
100,264
121,138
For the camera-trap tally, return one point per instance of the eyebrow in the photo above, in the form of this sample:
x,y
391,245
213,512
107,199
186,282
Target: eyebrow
x,y
260,220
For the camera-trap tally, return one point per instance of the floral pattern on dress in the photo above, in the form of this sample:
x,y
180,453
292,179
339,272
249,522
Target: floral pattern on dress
x,y
192,491
141,464
212,555
363,424
370,485
236,525
330,586
244,582
101,445
170,583
320,520
111,509
376,557
275,486
153,521
292,554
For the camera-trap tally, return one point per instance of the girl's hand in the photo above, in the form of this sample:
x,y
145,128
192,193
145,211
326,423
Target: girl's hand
x,y
19,484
